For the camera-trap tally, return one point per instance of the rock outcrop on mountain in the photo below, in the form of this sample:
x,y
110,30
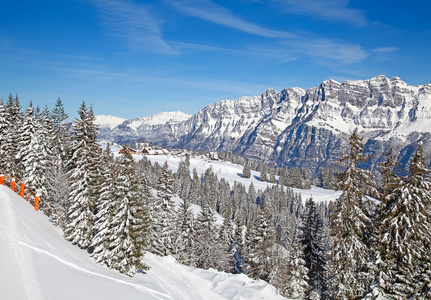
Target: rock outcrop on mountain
x,y
304,128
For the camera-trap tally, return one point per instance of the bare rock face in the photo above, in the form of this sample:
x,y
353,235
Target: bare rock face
x,y
304,128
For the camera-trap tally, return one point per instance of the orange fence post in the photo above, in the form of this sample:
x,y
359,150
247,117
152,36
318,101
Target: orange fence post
x,y
13,184
21,192
2,179
36,202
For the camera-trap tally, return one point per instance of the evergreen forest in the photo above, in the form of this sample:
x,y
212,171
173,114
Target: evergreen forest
x,y
372,242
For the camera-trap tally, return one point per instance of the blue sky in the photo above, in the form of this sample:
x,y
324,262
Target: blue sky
x,y
134,58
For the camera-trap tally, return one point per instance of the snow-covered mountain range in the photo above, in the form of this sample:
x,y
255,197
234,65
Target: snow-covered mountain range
x,y
299,127
158,127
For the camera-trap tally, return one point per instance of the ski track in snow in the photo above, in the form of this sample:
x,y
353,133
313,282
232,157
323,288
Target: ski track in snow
x,y
74,266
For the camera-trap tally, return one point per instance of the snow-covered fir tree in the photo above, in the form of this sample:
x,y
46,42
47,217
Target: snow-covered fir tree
x,y
264,173
184,243
9,148
351,222
163,215
210,251
258,247
296,286
84,180
57,173
4,126
195,188
60,133
34,153
25,133
390,180
105,209
183,180
246,172
312,240
229,238
404,235
129,224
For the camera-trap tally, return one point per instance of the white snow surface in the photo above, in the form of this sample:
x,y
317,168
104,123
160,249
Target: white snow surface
x,y
108,122
37,263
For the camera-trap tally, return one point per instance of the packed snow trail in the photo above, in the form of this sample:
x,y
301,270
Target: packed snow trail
x,y
37,263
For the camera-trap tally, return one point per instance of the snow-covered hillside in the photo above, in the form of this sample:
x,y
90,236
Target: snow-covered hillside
x,y
37,263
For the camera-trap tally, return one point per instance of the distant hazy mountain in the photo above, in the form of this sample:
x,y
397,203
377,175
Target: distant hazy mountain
x,y
297,127
108,122
151,128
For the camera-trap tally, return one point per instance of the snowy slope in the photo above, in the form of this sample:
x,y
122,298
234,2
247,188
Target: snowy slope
x,y
37,263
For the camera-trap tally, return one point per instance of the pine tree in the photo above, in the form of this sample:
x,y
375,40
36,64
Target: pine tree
x,y
272,175
34,154
58,188
227,236
210,251
294,178
259,242
105,209
296,285
84,181
60,134
351,229
390,180
264,173
312,240
4,126
246,172
282,179
195,188
163,215
9,148
58,184
185,240
129,225
405,237
26,133
306,179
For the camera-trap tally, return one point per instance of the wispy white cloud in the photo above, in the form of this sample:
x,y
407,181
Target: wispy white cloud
x,y
329,10
292,45
133,22
385,50
214,13
322,48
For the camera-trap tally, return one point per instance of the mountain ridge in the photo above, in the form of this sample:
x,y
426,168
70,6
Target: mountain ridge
x,y
304,127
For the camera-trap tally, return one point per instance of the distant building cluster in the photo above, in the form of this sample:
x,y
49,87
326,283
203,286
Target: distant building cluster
x,y
150,149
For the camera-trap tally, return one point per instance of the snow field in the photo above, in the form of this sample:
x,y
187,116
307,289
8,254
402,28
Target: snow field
x,y
37,263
